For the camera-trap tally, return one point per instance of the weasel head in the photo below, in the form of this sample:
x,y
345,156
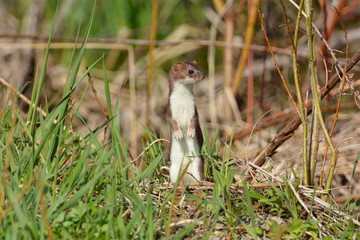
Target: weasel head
x,y
186,73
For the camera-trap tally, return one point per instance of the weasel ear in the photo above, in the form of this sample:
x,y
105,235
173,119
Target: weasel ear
x,y
177,66
194,62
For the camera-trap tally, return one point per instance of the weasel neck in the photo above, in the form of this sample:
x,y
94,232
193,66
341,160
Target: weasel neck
x,y
185,89
182,104
182,92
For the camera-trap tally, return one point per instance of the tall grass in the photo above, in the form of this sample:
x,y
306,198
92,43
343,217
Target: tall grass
x,y
58,184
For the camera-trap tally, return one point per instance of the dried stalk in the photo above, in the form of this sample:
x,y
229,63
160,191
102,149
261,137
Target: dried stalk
x,y
133,120
211,60
103,43
250,89
98,101
250,28
153,32
228,52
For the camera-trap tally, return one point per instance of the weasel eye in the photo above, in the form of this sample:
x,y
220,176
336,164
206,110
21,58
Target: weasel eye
x,y
190,71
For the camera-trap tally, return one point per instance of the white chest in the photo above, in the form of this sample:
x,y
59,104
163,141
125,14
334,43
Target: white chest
x,y
182,104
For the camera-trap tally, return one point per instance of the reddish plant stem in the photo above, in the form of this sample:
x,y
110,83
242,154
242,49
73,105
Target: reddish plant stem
x,y
250,89
289,129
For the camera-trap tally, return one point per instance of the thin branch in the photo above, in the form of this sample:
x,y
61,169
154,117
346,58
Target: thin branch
x,y
289,129
272,53
112,43
22,97
277,118
101,107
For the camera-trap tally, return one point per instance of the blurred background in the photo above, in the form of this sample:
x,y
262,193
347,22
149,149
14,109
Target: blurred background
x,y
227,41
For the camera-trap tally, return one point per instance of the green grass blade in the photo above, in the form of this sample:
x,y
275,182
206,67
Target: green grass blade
x,y
77,195
43,71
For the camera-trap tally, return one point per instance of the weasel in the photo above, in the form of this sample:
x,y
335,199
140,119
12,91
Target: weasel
x,y
183,118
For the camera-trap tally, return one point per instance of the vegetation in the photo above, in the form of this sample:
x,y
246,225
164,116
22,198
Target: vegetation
x,y
59,181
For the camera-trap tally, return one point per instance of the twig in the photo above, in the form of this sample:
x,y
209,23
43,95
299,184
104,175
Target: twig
x,y
337,65
320,52
108,43
305,191
101,107
247,145
23,97
288,131
328,206
300,200
278,118
272,53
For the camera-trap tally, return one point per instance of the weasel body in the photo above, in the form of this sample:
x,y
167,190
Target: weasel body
x,y
186,135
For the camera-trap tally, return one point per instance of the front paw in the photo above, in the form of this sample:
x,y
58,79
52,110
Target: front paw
x,y
191,132
178,135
